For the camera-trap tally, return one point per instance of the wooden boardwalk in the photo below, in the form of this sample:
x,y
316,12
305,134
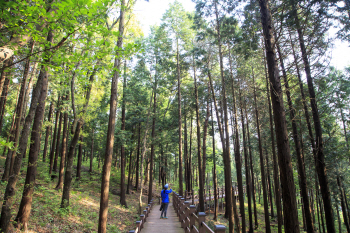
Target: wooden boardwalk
x,y
156,225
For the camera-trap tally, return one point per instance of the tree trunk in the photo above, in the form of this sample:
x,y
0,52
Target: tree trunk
x,y
10,138
4,74
58,145
3,100
300,156
102,222
144,149
80,157
26,202
69,168
320,164
122,151
286,170
237,154
200,172
53,140
214,168
187,180
343,206
205,130
19,110
274,158
92,150
262,168
38,99
47,133
63,149
269,182
129,174
247,168
180,117
138,157
251,170
150,187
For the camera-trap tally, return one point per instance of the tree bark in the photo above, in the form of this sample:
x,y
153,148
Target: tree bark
x,y
10,137
92,151
262,168
138,157
26,202
38,99
286,170
200,172
122,151
102,222
180,118
3,100
237,154
47,132
3,76
53,142
63,149
274,158
246,164
343,205
69,168
205,130
214,167
150,187
80,157
251,170
55,164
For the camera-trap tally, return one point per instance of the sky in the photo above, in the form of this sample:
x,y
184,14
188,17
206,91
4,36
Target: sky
x,y
150,13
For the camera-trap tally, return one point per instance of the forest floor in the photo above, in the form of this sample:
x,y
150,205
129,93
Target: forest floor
x,y
83,213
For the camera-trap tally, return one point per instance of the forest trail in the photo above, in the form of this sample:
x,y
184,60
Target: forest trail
x,y
156,225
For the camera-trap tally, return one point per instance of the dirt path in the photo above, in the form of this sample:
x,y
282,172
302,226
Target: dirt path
x,y
156,225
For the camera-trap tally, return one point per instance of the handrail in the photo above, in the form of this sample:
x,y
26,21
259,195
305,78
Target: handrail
x,y
207,229
143,217
188,218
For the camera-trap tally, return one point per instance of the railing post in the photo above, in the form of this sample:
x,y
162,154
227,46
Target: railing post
x,y
182,200
201,218
192,219
184,214
178,205
185,195
142,217
138,225
149,208
145,213
219,229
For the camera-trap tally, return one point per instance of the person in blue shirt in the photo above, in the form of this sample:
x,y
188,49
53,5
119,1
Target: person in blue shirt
x,y
165,200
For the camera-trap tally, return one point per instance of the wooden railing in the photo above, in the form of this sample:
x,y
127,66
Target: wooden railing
x,y
189,219
143,218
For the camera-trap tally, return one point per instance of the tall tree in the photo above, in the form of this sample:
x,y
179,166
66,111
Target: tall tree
x,y
102,222
284,158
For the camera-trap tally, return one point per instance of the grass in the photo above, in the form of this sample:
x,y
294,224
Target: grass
x,y
83,213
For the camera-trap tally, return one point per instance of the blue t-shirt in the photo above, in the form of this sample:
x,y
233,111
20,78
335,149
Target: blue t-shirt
x,y
165,195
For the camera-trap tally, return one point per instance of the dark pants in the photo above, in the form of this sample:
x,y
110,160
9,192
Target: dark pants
x,y
165,208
